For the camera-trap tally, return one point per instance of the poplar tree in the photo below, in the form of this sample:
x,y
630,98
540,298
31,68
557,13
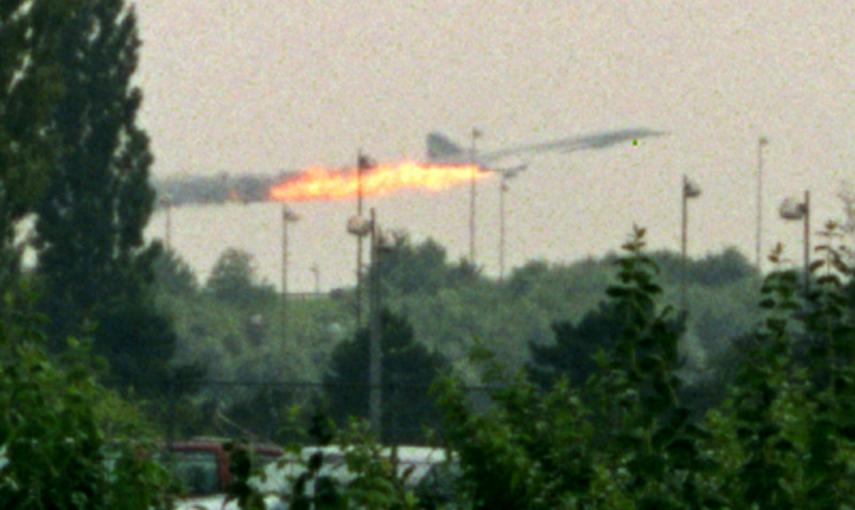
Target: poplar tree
x,y
94,263
28,33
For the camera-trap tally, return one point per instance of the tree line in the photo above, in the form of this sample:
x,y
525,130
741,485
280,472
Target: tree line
x,y
602,394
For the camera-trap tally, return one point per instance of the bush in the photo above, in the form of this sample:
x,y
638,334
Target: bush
x,y
54,450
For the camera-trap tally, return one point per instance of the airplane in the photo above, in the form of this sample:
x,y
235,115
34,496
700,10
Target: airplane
x,y
442,150
248,188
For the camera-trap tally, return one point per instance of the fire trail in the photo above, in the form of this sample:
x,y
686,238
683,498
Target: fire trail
x,y
324,184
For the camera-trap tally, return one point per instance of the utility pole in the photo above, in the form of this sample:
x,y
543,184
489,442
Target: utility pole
x,y
503,188
363,162
761,143
506,175
806,207
288,216
472,193
791,210
690,190
167,205
375,375
316,272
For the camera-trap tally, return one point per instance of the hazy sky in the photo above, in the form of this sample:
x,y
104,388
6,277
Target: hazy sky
x,y
264,85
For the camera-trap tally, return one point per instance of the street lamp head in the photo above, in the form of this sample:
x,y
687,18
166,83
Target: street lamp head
x,y
763,141
358,226
691,189
511,172
364,161
288,215
791,209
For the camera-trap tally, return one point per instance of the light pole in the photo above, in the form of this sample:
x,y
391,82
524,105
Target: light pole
x,y
690,190
288,216
166,202
375,362
316,272
507,174
359,227
363,163
762,142
476,134
793,210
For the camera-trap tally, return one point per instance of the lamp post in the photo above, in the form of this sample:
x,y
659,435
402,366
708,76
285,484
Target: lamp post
x,y
166,202
363,163
316,272
476,134
793,210
690,190
360,227
762,142
288,216
507,174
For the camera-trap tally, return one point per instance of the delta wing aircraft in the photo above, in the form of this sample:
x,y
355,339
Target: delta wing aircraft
x,y
441,151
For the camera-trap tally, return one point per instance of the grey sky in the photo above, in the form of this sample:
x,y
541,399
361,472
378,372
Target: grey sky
x,y
264,85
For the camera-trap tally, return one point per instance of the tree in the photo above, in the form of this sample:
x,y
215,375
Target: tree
x,y
174,276
408,371
233,280
572,354
28,90
54,447
93,262
412,269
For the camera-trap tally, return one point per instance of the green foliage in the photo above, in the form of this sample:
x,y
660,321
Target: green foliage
x,y
28,91
829,327
93,264
55,453
572,354
408,371
528,452
357,472
765,475
625,439
173,276
233,280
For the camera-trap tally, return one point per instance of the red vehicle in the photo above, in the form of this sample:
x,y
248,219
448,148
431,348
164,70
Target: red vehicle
x,y
202,465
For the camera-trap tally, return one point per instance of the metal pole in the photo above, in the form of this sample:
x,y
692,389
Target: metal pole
x,y
761,142
285,219
503,188
472,196
168,239
807,240
683,242
360,164
375,376
316,272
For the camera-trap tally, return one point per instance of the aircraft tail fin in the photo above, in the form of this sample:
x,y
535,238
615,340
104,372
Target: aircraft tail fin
x,y
441,147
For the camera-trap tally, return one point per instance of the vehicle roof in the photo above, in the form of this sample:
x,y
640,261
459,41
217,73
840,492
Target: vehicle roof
x,y
217,445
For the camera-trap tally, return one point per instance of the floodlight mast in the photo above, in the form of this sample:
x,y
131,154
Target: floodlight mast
x,y
690,190
473,161
361,227
762,142
363,162
166,202
288,216
375,362
506,175
790,210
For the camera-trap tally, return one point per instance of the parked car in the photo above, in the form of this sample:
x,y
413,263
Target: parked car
x,y
201,466
425,471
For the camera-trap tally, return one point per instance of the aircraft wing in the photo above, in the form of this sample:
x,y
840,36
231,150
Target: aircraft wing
x,y
600,140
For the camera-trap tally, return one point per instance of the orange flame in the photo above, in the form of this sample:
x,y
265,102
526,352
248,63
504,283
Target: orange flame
x,y
383,179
